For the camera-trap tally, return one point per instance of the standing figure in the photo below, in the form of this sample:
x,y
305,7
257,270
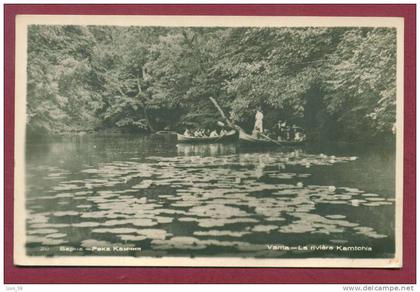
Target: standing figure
x,y
259,116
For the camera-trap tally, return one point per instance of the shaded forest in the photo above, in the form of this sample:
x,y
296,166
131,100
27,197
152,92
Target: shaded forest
x,y
336,83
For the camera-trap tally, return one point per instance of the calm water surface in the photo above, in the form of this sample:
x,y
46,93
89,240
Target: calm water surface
x,y
85,192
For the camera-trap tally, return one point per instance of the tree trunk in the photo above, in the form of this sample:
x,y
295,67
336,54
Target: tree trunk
x,y
221,111
229,122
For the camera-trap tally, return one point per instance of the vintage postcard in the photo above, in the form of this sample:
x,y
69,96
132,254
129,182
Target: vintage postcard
x,y
208,141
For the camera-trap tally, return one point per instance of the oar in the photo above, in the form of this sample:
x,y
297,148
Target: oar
x,y
269,139
235,127
221,111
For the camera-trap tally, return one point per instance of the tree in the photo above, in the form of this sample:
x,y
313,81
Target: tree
x,y
337,83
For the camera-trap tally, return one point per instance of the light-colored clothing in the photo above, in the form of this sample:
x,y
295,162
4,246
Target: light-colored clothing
x,y
299,136
213,134
187,133
198,133
259,116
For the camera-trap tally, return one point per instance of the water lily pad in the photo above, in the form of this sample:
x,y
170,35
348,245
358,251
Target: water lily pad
x,y
153,233
42,231
144,184
369,195
56,235
84,206
264,228
218,233
65,213
337,216
179,242
86,224
115,230
132,237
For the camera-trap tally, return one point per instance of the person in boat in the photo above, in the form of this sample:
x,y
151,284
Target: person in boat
x,y
213,134
288,132
299,136
282,131
187,133
282,128
223,132
259,116
279,131
198,133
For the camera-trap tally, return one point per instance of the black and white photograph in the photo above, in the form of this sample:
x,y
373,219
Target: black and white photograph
x,y
208,141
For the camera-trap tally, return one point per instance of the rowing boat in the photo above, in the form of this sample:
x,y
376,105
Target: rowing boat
x,y
231,136
247,139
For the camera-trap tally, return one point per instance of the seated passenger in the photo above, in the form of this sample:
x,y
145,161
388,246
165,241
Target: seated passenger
x,y
187,133
283,131
197,133
299,136
288,133
214,134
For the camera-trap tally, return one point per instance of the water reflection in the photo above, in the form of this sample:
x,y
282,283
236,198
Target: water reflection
x,y
198,199
206,149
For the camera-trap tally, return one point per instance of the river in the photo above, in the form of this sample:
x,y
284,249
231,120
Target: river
x,y
95,191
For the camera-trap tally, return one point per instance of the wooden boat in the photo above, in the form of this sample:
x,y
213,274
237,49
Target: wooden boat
x,y
249,140
231,136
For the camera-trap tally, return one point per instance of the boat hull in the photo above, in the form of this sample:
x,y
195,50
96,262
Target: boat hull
x,y
230,137
249,140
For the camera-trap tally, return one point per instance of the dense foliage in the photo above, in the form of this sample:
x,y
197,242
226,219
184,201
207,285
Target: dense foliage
x,y
338,83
